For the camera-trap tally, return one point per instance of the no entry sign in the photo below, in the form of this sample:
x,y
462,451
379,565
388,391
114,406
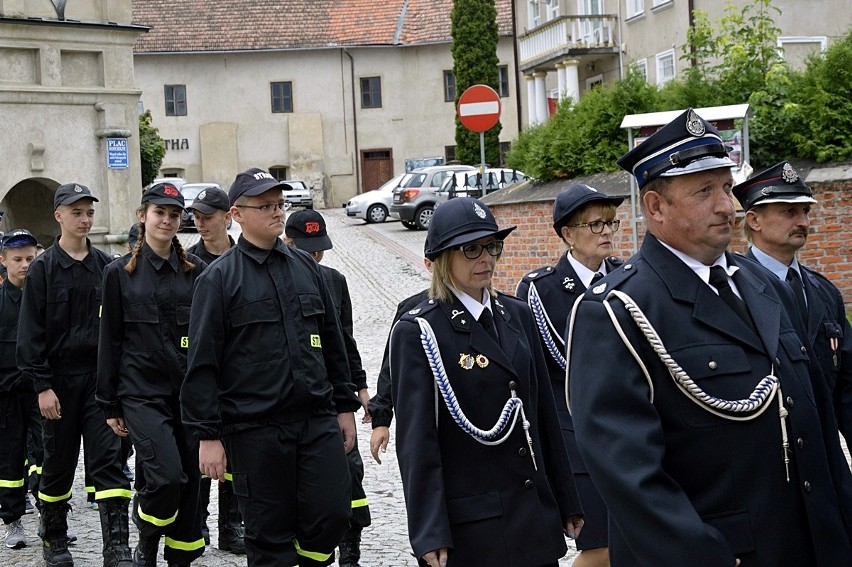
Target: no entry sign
x,y
479,108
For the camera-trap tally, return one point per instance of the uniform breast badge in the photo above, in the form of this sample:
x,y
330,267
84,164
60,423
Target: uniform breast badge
x,y
466,361
568,282
481,360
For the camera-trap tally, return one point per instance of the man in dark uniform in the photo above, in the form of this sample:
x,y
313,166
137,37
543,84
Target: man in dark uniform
x,y
17,400
777,204
212,215
57,351
690,389
268,386
306,231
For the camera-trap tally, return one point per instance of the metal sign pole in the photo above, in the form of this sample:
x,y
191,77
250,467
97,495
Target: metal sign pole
x,y
481,154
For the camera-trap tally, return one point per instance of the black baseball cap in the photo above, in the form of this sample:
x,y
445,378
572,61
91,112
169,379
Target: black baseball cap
x,y
210,200
253,182
163,194
133,235
71,193
18,238
307,229
459,221
573,199
781,183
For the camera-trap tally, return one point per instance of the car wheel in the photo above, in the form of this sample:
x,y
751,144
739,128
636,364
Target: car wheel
x,y
423,216
409,225
376,213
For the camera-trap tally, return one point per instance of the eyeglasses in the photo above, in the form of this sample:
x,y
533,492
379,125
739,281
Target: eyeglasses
x,y
597,226
474,251
269,207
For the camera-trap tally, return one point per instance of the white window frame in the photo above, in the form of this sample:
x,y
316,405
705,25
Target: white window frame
x,y
661,56
533,14
658,3
642,65
635,8
820,39
594,80
552,10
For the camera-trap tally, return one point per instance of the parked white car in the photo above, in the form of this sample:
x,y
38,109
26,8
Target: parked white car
x,y
373,206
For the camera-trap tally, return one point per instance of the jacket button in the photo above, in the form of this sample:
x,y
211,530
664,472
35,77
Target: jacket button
x,y
628,267
513,385
807,486
529,484
800,443
804,350
790,403
713,365
522,452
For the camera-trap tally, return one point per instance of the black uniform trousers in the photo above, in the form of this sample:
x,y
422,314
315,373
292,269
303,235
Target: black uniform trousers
x,y
167,478
80,416
16,419
294,490
35,449
360,507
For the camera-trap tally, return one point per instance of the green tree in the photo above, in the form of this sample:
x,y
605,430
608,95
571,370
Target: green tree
x,y
474,49
152,148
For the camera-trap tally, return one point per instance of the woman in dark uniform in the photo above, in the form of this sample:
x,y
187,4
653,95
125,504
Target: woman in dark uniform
x,y
141,366
584,218
485,471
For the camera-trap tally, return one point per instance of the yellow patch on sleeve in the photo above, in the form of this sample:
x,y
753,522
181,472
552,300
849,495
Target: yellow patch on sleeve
x,y
315,341
184,342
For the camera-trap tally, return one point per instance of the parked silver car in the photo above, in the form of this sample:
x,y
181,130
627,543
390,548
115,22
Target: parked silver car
x,y
373,206
414,199
299,195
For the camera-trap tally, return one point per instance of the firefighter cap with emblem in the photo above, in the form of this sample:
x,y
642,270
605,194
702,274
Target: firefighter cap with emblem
x,y
687,144
778,184
575,197
459,221
307,229
210,200
163,194
71,193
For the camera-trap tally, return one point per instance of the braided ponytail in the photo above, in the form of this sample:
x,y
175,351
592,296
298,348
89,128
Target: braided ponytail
x,y
184,260
131,264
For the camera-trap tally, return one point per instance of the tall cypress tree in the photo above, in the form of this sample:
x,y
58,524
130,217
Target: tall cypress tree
x,y
475,63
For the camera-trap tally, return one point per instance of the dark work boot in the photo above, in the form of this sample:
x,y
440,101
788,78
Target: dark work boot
x,y
350,548
231,532
53,530
116,532
145,554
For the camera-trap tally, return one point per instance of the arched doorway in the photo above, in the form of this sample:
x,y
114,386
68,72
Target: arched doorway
x,y
29,204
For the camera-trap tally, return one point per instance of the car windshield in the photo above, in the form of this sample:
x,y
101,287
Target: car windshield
x,y
191,192
413,180
296,185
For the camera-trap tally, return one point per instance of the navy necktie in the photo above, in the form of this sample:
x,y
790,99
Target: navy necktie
x,y
486,319
596,278
796,283
719,280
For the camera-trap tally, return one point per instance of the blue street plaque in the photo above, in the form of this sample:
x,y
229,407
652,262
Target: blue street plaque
x,y
117,153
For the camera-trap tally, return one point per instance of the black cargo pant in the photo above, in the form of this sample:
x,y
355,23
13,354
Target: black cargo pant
x,y
18,414
294,490
167,476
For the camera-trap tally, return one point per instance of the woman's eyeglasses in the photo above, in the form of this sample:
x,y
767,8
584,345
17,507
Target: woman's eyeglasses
x,y
474,251
268,207
597,226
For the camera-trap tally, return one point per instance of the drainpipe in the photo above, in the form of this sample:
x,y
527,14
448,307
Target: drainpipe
x,y
517,71
354,123
692,56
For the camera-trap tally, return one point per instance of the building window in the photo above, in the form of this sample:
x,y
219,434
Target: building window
x,y
175,100
665,67
642,67
552,10
533,16
282,96
503,81
371,92
658,3
449,86
635,8
795,50
279,172
449,154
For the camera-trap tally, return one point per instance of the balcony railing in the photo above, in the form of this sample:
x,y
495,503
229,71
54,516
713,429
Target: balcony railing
x,y
566,33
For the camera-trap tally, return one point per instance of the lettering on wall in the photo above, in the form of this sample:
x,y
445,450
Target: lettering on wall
x,y
177,144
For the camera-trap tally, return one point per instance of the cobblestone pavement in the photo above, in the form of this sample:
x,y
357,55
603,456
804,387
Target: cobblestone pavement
x,y
383,265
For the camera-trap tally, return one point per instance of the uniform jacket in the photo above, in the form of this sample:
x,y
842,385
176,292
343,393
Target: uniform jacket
x,y
683,486
381,405
559,287
144,328
58,328
11,378
487,504
199,250
339,290
830,336
265,345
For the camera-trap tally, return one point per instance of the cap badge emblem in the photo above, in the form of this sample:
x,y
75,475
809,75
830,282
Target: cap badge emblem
x,y
78,189
694,124
466,361
202,195
312,227
789,174
170,190
766,191
599,289
480,212
481,360
568,282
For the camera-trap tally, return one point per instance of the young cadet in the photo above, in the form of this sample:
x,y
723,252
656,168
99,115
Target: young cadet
x,y
17,400
57,351
777,204
212,215
141,365
268,386
306,231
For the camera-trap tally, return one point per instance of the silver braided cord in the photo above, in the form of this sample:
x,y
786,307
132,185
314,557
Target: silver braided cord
x,y
545,327
512,410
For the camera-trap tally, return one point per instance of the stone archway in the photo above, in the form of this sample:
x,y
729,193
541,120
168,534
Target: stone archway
x,y
29,204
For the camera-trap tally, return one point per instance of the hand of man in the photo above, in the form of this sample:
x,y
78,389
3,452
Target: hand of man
x,y
346,422
117,425
211,459
364,396
574,526
436,558
379,442
49,404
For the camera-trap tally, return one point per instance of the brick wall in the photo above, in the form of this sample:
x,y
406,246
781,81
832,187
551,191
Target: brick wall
x,y
535,244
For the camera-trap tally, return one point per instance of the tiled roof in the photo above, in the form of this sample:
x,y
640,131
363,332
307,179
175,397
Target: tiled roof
x,y
220,25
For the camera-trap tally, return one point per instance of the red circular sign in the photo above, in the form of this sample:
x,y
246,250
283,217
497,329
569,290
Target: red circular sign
x,y
479,108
